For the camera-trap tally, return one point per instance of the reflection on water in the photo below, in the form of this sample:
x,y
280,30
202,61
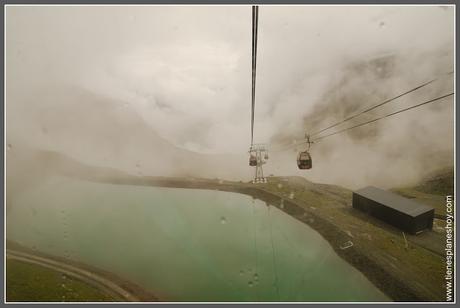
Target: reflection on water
x,y
186,245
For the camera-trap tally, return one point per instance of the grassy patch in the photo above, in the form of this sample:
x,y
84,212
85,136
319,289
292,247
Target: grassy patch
x,y
438,183
377,244
33,283
436,201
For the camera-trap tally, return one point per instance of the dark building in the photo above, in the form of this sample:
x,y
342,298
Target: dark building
x,y
393,209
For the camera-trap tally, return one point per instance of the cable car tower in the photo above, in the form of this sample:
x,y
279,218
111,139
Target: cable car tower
x,y
258,153
258,156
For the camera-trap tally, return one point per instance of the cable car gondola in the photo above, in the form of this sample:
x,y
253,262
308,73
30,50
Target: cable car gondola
x,y
252,160
304,160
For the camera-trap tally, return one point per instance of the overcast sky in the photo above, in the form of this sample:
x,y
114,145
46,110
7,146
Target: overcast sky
x,y
186,69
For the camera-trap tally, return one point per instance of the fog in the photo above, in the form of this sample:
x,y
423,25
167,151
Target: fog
x,y
165,90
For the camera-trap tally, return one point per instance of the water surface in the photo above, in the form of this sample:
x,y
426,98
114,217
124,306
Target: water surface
x,y
184,244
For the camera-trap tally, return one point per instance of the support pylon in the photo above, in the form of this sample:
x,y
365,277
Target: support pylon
x,y
259,150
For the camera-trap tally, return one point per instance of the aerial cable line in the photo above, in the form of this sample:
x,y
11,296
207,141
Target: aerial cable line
x,y
385,116
365,123
380,104
369,109
255,17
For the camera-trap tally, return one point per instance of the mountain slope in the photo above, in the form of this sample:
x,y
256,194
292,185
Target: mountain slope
x,y
104,132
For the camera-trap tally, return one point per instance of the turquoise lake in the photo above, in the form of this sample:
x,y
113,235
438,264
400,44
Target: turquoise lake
x,y
184,244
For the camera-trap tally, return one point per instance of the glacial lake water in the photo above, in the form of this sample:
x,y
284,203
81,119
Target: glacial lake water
x,y
184,244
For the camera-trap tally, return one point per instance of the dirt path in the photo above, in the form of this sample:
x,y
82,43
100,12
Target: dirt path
x,y
105,284
403,272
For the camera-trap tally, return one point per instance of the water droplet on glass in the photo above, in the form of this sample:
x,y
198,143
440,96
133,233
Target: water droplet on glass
x,y
241,273
9,146
64,277
291,195
256,276
223,220
250,284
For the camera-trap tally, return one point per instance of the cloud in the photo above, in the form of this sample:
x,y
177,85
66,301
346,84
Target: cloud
x,y
186,69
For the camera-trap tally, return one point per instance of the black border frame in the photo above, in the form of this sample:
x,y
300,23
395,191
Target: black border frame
x,y
218,2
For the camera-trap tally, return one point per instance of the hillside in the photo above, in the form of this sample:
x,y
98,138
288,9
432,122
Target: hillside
x,y
440,182
103,131
431,190
378,249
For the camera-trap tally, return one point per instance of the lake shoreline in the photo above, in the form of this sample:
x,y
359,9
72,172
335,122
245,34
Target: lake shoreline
x,y
326,209
393,285
123,289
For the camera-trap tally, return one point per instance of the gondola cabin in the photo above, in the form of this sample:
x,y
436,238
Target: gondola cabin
x,y
252,160
304,160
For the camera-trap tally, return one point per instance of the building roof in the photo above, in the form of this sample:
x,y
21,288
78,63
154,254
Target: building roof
x,y
394,201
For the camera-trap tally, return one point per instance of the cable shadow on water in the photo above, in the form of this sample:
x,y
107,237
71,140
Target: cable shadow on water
x,y
273,254
254,223
306,270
